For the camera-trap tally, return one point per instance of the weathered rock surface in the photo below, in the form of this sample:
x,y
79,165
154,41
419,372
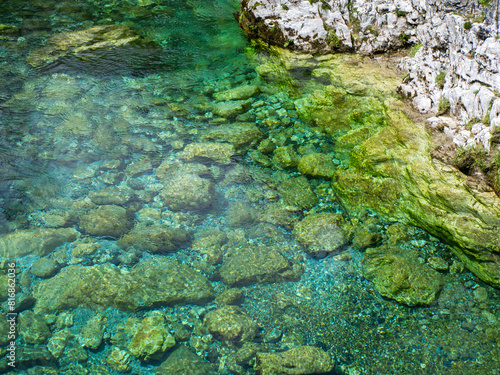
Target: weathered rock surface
x,y
146,285
398,274
219,152
240,134
151,339
253,264
297,191
301,360
38,242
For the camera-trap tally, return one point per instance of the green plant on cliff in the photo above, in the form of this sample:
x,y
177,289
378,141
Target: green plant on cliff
x,y
415,49
444,106
440,79
333,40
484,2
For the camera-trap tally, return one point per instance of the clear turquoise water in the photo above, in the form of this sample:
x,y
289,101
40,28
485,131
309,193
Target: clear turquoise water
x,y
62,126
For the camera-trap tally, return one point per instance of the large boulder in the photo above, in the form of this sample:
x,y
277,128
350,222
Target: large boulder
x,y
148,284
108,48
301,360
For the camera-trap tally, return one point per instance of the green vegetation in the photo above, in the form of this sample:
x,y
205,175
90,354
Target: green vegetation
x,y
403,38
325,5
373,30
484,2
400,13
444,106
333,40
285,7
467,25
440,79
415,49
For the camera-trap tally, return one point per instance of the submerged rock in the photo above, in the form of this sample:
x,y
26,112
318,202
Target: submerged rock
x,y
237,93
155,238
240,134
44,268
38,242
230,324
253,264
301,360
102,47
219,152
151,339
320,233
187,191
317,165
398,274
148,284
106,220
92,332
32,328
296,191
184,361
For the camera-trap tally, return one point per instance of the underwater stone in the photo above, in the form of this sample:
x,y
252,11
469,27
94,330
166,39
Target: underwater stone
x,y
146,285
253,264
187,191
231,296
57,343
230,108
239,134
296,191
111,195
151,339
139,167
155,238
398,274
285,157
231,325
107,220
4,330
119,360
317,165
438,264
92,332
44,268
364,238
237,93
301,360
37,242
320,233
32,328
219,152
88,46
210,243
184,361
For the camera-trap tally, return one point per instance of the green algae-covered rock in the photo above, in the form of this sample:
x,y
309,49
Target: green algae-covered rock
x,y
92,332
146,285
154,238
386,162
253,264
398,274
219,152
301,360
44,268
96,48
237,93
187,191
184,361
230,324
107,220
119,360
239,134
111,195
296,191
32,328
320,233
58,342
38,242
317,165
285,157
230,108
151,339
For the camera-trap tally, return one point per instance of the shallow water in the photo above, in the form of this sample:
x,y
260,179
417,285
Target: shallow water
x,y
120,119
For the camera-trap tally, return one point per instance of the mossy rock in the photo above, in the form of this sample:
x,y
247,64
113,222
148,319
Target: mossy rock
x,y
398,274
297,191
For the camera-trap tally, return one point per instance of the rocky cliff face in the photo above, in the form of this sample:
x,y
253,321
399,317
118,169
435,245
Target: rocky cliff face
x,y
455,59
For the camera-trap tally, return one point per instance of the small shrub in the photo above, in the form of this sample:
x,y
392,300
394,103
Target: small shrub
x,y
333,40
484,2
440,79
284,7
443,107
467,25
400,13
373,30
415,49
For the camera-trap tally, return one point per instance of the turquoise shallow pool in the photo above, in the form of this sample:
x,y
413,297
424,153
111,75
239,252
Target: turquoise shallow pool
x,y
166,207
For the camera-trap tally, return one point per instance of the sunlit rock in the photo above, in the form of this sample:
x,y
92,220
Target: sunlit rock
x,y
230,324
106,220
398,274
151,339
300,360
